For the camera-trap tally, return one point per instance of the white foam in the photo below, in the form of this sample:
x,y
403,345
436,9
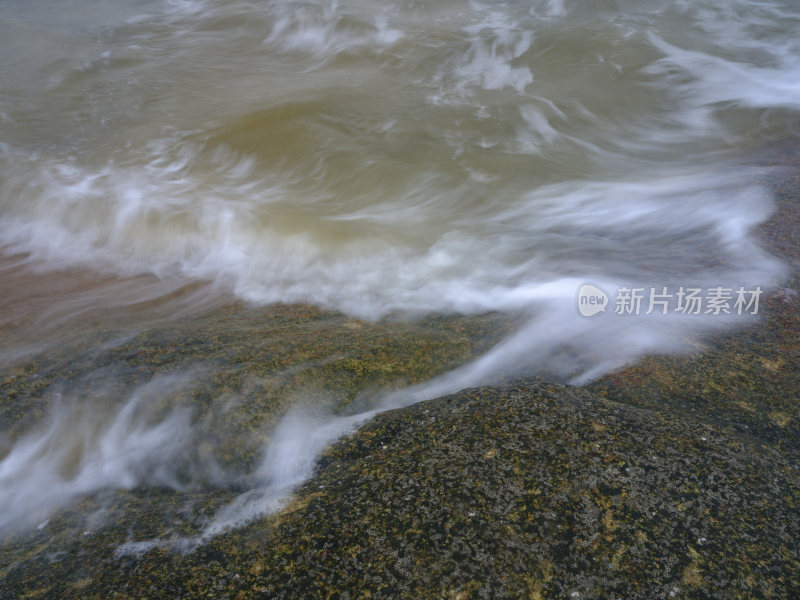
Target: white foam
x,y
289,460
726,82
324,30
163,220
84,448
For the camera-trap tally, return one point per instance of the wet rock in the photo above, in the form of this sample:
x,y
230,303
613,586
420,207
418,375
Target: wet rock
x,y
529,490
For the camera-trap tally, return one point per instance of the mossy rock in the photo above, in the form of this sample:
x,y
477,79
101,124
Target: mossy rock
x,y
529,490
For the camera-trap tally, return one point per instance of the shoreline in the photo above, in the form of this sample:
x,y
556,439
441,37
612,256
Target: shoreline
x,y
738,392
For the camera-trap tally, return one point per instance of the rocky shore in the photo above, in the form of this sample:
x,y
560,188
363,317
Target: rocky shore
x,y
528,490
677,477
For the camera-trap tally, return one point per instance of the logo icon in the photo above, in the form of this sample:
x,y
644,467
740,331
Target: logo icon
x,y
591,300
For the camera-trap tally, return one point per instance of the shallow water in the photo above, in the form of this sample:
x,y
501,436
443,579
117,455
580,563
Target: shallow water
x,y
160,160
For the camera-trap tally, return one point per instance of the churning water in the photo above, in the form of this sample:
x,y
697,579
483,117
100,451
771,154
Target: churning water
x,y
378,158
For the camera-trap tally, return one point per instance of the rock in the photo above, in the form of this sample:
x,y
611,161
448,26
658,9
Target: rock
x,y
529,490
